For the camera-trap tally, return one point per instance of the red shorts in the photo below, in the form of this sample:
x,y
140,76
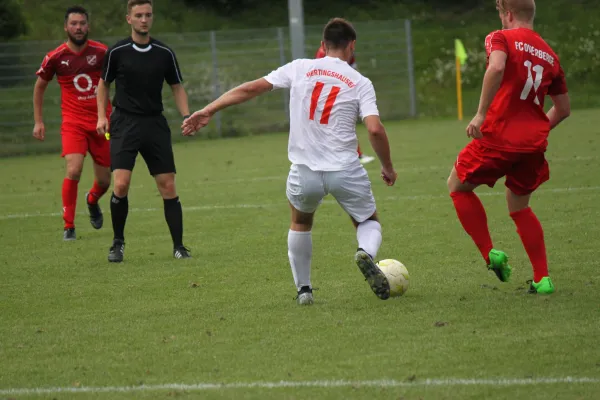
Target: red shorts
x,y
481,165
81,140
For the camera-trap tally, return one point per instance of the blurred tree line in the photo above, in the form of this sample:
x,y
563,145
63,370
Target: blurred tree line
x,y
232,6
12,21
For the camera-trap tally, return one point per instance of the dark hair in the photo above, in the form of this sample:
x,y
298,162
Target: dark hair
x,y
76,10
338,33
133,3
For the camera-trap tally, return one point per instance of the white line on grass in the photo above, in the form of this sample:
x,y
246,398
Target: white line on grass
x,y
211,207
301,384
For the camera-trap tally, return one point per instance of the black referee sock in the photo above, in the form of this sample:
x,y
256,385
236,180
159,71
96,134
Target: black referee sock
x,y
119,207
174,217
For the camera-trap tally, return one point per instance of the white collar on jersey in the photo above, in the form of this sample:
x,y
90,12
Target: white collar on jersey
x,y
142,49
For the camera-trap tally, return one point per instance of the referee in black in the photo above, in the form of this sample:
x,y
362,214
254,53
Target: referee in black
x,y
140,64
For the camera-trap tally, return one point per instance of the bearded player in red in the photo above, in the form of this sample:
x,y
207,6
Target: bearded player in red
x,y
78,66
363,158
510,134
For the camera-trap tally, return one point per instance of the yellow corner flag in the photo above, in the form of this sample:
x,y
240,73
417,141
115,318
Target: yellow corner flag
x,y
461,57
459,50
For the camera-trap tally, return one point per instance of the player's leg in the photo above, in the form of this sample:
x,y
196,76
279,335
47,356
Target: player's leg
x,y
74,148
173,212
526,178
99,149
305,191
124,145
119,209
74,166
476,166
158,154
471,213
300,253
352,190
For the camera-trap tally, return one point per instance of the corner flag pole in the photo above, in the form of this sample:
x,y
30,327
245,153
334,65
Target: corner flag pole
x,y
461,58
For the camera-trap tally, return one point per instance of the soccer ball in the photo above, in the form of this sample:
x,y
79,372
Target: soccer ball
x,y
397,276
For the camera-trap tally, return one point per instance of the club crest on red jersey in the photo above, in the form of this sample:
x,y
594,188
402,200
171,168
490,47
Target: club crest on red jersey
x,y
91,59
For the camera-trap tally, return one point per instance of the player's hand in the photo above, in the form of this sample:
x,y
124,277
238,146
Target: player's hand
x,y
474,127
389,175
195,122
102,126
39,131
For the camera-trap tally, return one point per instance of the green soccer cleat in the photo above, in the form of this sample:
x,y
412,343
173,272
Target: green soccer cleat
x,y
544,286
499,264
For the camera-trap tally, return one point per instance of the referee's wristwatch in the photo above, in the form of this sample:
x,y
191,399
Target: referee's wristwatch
x,y
186,116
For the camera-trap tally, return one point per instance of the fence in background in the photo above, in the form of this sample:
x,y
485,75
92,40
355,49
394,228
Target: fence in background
x,y
211,63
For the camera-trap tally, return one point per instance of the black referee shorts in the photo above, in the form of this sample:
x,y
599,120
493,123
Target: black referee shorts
x,y
148,135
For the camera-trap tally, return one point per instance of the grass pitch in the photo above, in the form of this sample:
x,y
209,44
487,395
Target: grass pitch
x,y
69,320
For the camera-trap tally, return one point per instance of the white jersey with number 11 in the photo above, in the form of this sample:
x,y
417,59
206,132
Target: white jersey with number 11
x,y
326,98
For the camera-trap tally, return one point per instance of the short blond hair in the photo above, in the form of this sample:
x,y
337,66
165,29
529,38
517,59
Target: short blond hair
x,y
523,10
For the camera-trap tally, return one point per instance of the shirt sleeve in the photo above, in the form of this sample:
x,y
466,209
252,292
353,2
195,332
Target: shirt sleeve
x,y
282,77
173,74
559,84
109,66
367,100
496,41
47,69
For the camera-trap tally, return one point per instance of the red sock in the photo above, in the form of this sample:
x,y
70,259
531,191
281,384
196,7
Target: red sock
x,y
69,199
95,193
472,216
532,235
358,151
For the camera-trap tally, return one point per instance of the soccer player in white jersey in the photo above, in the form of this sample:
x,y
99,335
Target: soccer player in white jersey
x,y
327,96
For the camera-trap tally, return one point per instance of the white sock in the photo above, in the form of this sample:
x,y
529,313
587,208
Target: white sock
x,y
368,234
300,254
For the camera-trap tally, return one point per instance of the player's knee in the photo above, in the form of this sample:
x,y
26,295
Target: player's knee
x,y
103,182
451,184
121,187
74,172
167,188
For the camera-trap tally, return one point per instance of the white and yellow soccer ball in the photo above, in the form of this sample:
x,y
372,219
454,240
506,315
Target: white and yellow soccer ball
x,y
397,276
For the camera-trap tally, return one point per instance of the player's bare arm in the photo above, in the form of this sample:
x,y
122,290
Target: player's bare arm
x,y
39,130
491,83
379,141
181,99
560,110
102,100
237,95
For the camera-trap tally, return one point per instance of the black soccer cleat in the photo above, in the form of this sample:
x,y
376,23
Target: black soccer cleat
x,y
69,234
181,252
96,217
373,275
116,252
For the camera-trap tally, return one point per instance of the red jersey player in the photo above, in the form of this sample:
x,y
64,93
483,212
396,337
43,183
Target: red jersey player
x,y
510,134
364,159
78,66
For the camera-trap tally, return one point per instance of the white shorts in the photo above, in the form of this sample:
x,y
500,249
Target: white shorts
x,y
351,188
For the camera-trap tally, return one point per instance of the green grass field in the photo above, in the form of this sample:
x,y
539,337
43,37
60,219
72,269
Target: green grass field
x,y
154,327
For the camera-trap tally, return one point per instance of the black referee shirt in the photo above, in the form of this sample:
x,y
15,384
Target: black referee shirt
x,y
140,71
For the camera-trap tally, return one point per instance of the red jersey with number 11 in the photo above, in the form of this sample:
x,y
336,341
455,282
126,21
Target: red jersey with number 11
x,y
516,121
78,75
